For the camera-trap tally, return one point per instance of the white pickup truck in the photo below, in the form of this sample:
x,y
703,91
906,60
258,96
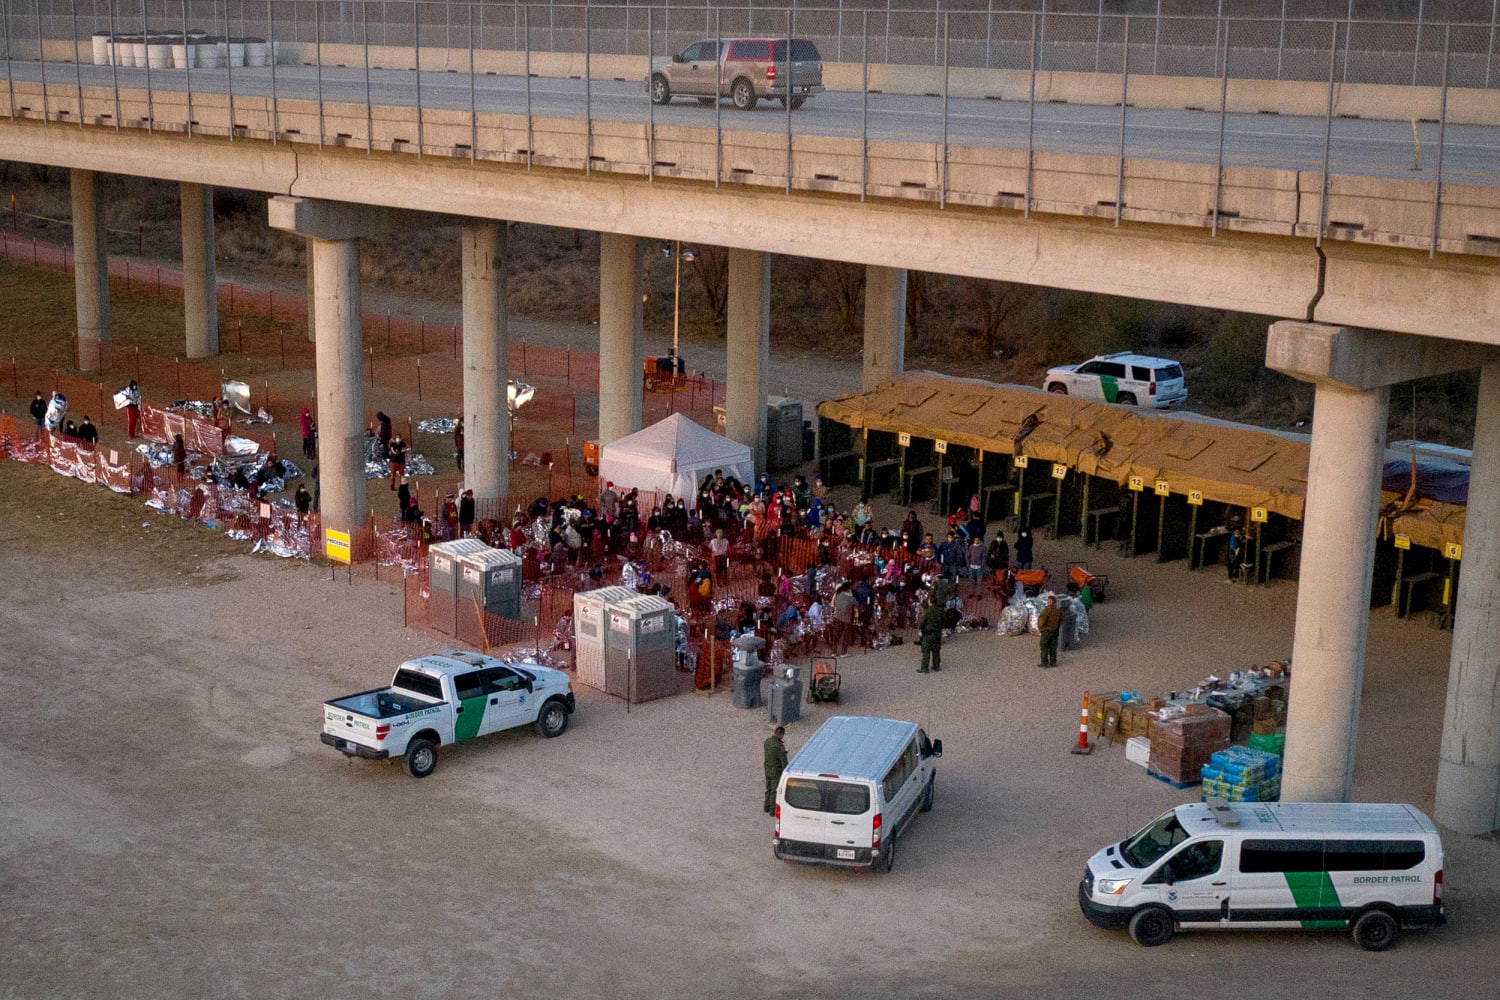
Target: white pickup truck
x,y
442,698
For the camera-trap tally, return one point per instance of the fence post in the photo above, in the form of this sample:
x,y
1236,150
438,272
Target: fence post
x,y
387,331
281,335
177,365
422,335
419,380
372,367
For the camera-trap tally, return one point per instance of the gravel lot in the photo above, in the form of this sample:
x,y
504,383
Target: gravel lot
x,y
173,828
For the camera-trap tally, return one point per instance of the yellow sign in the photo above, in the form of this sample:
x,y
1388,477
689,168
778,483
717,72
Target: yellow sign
x,y
1162,489
940,446
1019,461
1258,514
903,438
1137,483
1195,497
1403,541
1453,550
1059,471
336,546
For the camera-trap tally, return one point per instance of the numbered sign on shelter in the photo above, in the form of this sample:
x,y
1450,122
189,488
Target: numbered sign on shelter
x,y
1403,541
1059,471
940,446
1162,489
1195,497
1453,550
1258,514
1138,483
1019,461
903,438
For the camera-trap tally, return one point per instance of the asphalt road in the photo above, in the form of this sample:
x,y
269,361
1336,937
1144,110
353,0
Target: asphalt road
x,y
1470,154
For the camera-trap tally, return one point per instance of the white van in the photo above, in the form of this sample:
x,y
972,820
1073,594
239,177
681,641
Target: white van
x,y
852,789
1310,865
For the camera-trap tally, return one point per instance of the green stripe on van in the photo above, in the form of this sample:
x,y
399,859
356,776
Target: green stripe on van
x,y
1314,891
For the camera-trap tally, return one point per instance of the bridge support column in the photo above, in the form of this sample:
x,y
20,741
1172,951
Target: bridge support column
x,y
486,362
885,324
200,296
620,350
340,389
90,271
312,291
1468,782
747,349
1352,370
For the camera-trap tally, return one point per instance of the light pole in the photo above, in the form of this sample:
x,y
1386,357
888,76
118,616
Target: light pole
x,y
676,252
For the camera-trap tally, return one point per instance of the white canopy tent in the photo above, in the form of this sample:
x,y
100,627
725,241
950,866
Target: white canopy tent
x,y
673,456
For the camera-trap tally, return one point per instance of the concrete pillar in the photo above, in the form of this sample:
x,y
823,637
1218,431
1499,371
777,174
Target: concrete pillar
x,y
340,389
748,345
486,362
885,324
312,291
1468,782
1333,591
200,295
620,350
90,271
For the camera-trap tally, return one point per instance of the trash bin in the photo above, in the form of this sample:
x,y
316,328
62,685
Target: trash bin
x,y
786,697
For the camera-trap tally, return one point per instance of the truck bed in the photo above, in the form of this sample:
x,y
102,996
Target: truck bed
x,y
381,703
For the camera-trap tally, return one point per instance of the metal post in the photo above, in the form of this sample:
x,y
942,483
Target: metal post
x,y
1416,49
937,26
318,43
788,105
10,83
1333,52
943,171
530,124
364,12
145,33
864,114
650,102
989,30
676,300
1223,116
114,64
228,72
416,20
1437,189
1156,44
1348,37
77,63
187,62
1489,54
588,92
1031,123
42,65
1124,103
473,106
1041,43
1280,42
1098,35
718,104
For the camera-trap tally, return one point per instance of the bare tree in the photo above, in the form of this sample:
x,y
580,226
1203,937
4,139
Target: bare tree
x,y
711,265
997,308
918,302
843,284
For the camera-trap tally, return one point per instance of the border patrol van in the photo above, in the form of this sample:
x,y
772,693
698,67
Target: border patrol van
x,y
1375,868
851,791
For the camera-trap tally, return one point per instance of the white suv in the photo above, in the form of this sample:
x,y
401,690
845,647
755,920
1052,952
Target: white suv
x,y
1131,379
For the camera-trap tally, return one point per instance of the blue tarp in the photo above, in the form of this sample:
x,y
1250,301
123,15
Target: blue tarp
x,y
1445,482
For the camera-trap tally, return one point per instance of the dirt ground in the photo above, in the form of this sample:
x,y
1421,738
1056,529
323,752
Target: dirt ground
x,y
172,826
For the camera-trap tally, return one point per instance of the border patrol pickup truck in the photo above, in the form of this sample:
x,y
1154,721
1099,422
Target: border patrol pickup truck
x,y
442,698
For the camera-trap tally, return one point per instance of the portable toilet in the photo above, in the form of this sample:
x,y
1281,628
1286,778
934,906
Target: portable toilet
x,y
588,630
643,629
494,577
783,432
443,574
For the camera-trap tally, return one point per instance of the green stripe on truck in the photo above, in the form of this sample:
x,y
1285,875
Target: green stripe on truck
x,y
466,723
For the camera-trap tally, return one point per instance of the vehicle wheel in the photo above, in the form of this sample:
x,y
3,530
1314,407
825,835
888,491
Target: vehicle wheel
x,y
927,795
554,719
590,468
888,855
421,758
744,94
1126,399
797,102
1058,388
1375,930
661,90
1151,926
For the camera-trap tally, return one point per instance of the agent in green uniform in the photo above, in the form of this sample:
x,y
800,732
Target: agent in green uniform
x,y
931,627
775,764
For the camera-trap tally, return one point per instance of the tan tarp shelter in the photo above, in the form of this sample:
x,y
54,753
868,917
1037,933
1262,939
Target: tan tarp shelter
x,y
1230,463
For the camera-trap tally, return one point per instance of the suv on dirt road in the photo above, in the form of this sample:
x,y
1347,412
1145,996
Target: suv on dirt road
x,y
1131,379
742,69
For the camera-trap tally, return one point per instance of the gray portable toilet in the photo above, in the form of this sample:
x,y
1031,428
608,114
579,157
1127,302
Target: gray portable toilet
x,y
588,630
494,576
747,670
786,696
443,573
783,432
643,628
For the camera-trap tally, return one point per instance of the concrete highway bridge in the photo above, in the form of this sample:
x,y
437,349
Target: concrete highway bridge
x,y
1366,215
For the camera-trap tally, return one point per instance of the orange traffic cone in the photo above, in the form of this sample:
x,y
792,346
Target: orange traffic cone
x,y
1084,746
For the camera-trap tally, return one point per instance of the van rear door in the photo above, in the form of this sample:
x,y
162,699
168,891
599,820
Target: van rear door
x,y
840,814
